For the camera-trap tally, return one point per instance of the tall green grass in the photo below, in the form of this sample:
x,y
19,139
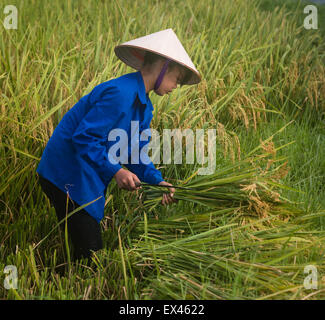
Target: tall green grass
x,y
263,79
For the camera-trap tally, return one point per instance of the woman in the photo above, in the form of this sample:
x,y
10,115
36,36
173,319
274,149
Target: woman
x,y
77,161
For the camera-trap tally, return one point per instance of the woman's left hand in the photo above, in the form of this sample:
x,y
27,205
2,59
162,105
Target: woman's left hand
x,y
168,198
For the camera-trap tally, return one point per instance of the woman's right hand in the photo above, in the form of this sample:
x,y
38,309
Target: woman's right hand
x,y
127,180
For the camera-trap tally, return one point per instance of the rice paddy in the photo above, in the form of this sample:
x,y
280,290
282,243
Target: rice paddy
x,y
248,230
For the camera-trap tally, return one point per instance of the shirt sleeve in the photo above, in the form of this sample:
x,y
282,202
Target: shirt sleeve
x,y
145,169
90,137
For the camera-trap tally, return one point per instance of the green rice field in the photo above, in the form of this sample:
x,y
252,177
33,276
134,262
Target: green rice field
x,y
245,232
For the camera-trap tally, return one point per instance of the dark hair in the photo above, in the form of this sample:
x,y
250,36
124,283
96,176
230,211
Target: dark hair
x,y
151,58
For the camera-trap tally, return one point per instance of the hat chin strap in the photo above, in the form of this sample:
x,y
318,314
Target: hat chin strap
x,y
161,75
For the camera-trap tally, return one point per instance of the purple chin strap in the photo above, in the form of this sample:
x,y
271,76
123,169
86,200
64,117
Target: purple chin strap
x,y
161,75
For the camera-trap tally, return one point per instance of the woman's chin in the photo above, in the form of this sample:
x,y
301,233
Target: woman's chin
x,y
159,93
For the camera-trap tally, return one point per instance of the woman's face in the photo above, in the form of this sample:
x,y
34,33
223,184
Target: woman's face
x,y
170,81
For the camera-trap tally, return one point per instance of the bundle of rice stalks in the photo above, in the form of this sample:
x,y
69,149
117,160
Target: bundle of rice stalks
x,y
252,184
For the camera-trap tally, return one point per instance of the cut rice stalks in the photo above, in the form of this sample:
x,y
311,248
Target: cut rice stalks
x,y
253,183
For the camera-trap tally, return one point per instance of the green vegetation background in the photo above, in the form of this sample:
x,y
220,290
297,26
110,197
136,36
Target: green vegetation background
x,y
263,75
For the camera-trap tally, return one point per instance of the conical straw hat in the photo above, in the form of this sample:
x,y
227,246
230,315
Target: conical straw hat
x,y
164,43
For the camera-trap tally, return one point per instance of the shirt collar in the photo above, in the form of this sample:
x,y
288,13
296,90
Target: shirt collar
x,y
143,96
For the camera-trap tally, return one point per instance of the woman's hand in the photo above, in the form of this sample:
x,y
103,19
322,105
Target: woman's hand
x,y
167,198
127,180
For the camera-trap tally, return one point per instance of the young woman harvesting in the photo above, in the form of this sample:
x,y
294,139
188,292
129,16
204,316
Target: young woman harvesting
x,y
76,161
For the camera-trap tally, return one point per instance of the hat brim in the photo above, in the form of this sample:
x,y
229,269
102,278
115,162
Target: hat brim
x,y
133,56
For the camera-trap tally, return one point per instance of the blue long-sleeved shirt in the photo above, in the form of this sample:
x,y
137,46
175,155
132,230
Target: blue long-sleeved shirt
x,y
77,158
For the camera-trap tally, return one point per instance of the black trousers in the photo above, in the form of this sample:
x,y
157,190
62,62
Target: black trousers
x,y
83,229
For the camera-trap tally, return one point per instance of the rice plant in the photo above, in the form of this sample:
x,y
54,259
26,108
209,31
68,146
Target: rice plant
x,y
245,232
